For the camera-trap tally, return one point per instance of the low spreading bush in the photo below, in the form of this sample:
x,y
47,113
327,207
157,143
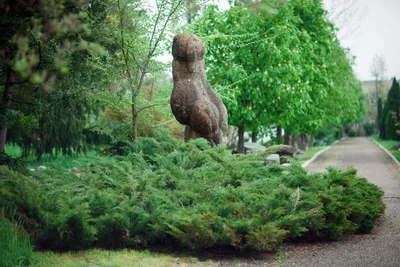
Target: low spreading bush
x,y
15,247
166,192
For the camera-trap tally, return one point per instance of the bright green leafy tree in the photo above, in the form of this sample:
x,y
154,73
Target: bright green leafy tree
x,y
257,74
289,71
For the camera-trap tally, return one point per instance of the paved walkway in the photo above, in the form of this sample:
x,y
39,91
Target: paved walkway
x,y
382,246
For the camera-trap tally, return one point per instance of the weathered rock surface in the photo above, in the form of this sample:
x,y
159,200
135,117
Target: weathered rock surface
x,y
286,151
272,158
253,148
193,102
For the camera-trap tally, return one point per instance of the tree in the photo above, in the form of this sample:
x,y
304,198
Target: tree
x,y
391,112
336,94
347,15
192,7
290,71
378,70
255,91
379,119
38,39
142,37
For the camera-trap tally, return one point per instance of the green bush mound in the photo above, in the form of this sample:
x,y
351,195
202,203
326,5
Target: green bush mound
x,y
166,192
15,246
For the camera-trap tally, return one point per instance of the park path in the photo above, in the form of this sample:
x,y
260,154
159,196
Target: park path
x,y
382,246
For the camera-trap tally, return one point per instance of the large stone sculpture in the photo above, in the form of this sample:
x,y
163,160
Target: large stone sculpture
x,y
193,102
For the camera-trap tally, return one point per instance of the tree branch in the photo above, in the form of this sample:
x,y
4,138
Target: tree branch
x,y
163,123
149,106
155,27
173,10
124,52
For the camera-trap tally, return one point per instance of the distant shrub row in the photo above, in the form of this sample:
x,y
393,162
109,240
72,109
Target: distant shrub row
x,y
166,192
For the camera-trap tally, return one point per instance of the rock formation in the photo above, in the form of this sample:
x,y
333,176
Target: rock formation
x,y
193,102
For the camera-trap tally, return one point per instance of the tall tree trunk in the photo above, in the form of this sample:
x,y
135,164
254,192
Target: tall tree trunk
x,y
311,140
286,138
254,137
134,118
241,139
6,102
305,141
279,134
189,14
293,141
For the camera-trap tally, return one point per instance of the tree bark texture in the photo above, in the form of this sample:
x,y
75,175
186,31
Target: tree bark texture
x,y
279,134
241,139
134,119
254,137
286,138
6,102
311,140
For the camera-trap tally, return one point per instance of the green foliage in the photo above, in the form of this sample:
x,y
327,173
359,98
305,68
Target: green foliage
x,y
352,132
15,246
390,145
54,75
327,135
15,164
379,118
391,113
166,192
289,71
369,128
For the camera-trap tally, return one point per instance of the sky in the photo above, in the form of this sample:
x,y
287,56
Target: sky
x,y
378,33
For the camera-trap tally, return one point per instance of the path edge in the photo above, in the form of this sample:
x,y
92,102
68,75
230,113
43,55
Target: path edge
x,y
386,151
316,155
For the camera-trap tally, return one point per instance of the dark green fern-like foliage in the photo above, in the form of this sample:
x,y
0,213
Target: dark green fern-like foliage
x,y
166,192
381,125
391,113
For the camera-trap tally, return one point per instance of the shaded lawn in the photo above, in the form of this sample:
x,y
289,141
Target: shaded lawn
x,y
388,144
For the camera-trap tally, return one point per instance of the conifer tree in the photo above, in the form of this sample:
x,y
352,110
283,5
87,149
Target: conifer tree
x,y
44,53
391,112
379,120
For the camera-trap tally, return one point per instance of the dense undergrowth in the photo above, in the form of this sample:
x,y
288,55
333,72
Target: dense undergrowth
x,y
166,192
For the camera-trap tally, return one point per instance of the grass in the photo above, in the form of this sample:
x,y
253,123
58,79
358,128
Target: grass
x,y
388,144
61,161
98,257
15,247
13,150
66,162
310,152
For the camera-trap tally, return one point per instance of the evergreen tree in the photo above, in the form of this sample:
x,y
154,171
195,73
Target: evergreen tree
x,y
45,53
391,112
379,120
